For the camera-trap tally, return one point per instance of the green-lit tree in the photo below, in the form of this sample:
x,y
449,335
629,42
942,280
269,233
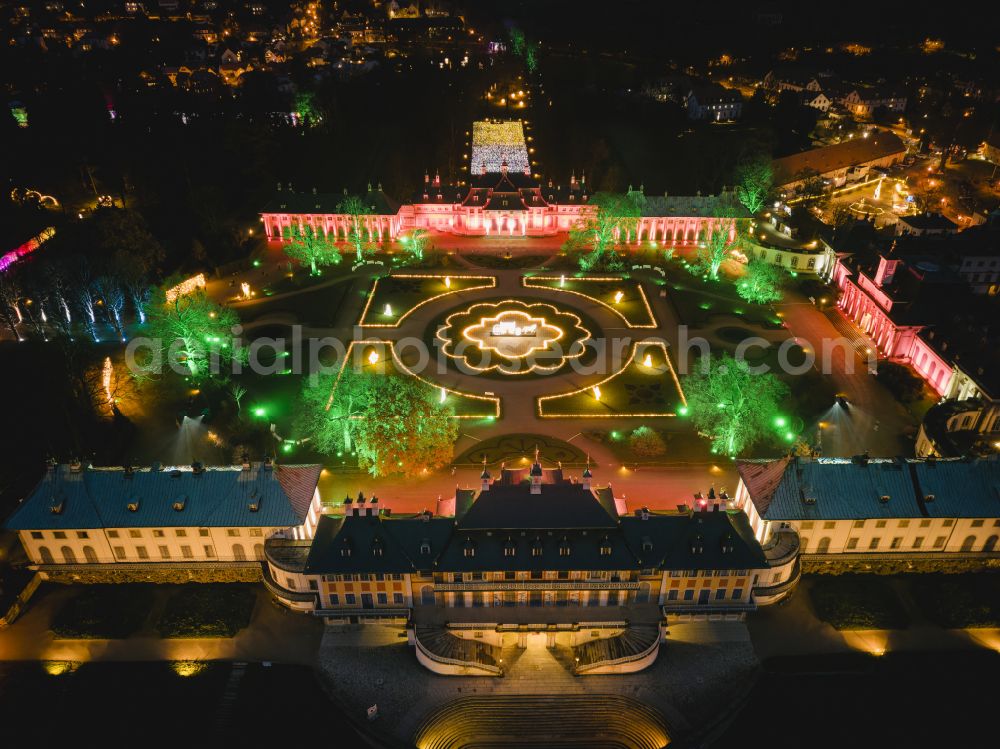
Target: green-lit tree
x,y
357,234
194,331
613,218
762,282
310,247
754,178
330,410
722,238
416,244
733,405
394,424
406,430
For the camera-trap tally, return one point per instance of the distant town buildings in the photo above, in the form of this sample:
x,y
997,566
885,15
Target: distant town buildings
x,y
713,103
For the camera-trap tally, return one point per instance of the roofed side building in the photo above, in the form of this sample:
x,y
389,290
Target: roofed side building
x,y
876,506
840,162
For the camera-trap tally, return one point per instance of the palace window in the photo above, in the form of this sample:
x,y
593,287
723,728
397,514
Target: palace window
x,y
186,552
37,535
918,542
209,551
977,523
164,552
119,552
59,534
202,532
313,585
135,533
939,542
896,542
233,532
181,533
82,534
157,533
397,599
737,593
880,524
142,552
852,543
873,544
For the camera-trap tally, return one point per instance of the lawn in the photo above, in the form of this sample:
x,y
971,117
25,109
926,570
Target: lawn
x,y
521,447
645,387
103,612
466,405
857,602
501,262
393,298
632,307
681,447
696,299
208,610
958,601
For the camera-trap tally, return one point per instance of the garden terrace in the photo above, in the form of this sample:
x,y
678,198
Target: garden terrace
x,y
393,298
647,386
380,357
632,306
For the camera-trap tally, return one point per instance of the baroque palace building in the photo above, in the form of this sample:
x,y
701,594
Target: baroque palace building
x,y
529,552
502,204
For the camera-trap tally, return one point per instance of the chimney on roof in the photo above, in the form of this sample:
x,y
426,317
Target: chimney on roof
x,y
279,187
197,468
437,178
267,464
886,271
75,465
245,458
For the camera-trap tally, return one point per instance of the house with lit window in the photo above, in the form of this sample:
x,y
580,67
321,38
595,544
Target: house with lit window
x,y
713,103
876,508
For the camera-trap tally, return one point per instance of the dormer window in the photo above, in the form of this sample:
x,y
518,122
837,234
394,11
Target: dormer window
x,y
469,548
509,548
536,547
605,548
345,548
647,543
133,505
425,547
564,548
698,545
180,503
377,547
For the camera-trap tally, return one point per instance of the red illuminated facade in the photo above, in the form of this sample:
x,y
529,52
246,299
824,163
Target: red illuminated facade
x,y
504,205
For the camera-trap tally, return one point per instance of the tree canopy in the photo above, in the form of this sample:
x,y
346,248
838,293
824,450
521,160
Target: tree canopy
x,y
754,178
194,331
357,235
735,406
723,237
594,239
394,424
310,247
762,282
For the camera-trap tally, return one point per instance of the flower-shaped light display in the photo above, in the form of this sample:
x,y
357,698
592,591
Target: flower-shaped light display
x,y
512,337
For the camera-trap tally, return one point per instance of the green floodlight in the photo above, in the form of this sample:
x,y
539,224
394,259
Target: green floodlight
x,y
260,412
780,422
683,410
789,437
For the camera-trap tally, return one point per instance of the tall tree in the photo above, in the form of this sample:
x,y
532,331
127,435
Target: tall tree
x,y
394,424
754,178
357,233
722,238
761,284
194,329
10,292
406,429
416,244
310,247
733,405
613,217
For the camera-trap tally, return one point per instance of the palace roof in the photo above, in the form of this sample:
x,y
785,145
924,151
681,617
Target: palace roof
x,y
878,145
227,496
862,488
566,527
288,201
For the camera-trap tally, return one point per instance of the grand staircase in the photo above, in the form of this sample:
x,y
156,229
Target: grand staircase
x,y
445,645
550,721
633,643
